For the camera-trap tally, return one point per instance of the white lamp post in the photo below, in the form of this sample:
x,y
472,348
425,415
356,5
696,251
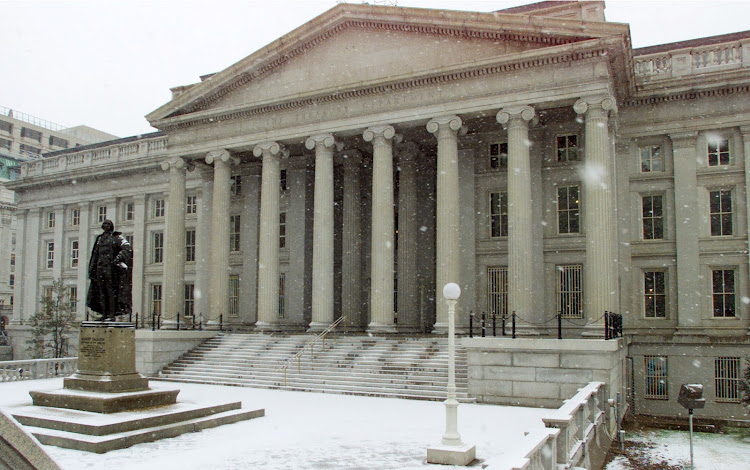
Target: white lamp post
x,y
452,451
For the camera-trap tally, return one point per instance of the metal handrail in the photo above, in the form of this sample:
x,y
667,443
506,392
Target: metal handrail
x,y
299,354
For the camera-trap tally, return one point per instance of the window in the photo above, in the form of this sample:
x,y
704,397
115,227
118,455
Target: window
x,y
234,295
655,294
727,379
234,233
567,148
568,210
498,215
75,217
5,143
31,134
12,280
156,299
718,152
656,378
190,245
189,300
73,298
101,214
282,229
282,294
6,126
12,259
497,290
30,151
720,204
282,180
129,239
653,218
129,211
74,253
157,244
50,255
499,155
58,142
236,185
50,220
191,205
570,291
651,159
159,208
723,292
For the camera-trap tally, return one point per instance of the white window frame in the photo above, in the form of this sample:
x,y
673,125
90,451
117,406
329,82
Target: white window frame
x,y
101,214
50,219
727,296
190,237
649,220
156,298
495,153
647,158
189,300
654,295
282,229
159,208
722,214
157,247
75,217
191,204
501,216
50,255
74,253
282,295
235,185
129,211
235,225
563,154
717,152
567,211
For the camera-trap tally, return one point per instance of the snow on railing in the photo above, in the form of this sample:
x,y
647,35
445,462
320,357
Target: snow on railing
x,y
542,453
692,61
118,152
13,371
721,54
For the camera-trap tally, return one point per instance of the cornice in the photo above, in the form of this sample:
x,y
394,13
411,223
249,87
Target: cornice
x,y
685,95
552,57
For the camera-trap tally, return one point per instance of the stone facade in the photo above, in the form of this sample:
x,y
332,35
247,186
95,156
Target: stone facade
x,y
375,153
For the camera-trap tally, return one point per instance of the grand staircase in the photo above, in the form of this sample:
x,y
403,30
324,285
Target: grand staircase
x,y
415,368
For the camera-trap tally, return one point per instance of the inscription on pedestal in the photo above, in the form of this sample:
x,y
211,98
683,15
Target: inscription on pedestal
x,y
92,348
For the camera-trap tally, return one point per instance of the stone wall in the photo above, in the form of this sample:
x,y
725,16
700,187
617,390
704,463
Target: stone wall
x,y
156,349
542,372
18,335
6,353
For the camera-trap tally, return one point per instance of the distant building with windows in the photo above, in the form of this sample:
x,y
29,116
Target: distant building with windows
x,y
359,163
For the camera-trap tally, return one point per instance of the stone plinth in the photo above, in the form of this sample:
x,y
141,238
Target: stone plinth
x,y
452,455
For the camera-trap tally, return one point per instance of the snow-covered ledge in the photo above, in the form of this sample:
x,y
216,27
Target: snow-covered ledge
x,y
156,349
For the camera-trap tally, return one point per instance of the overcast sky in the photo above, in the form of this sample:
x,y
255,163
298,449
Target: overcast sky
x,y
106,64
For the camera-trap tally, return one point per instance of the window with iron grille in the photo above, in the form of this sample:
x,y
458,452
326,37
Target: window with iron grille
x,y
58,142
718,152
129,211
74,253
499,155
282,180
190,245
156,299
191,206
568,209
727,379
567,148
234,233
50,255
236,185
189,299
656,378
653,217
720,203
159,205
723,292
497,290
282,229
498,214
651,159
234,295
655,294
157,247
101,214
570,290
75,217
50,220
31,134
6,126
282,294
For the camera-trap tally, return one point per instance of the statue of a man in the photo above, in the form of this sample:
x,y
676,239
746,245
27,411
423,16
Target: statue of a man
x,y
110,272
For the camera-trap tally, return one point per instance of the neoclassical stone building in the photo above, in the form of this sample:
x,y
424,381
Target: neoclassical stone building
x,y
357,164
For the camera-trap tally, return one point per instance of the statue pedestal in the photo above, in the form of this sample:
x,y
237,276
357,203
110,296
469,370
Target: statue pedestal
x,y
106,380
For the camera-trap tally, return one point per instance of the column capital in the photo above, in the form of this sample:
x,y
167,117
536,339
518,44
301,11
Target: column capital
x,y
519,113
326,140
745,131
177,163
220,155
604,102
270,148
407,151
684,139
384,132
451,122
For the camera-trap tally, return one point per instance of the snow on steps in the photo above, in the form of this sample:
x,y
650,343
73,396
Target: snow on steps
x,y
415,368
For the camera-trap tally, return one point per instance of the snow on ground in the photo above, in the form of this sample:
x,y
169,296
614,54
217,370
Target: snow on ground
x,y
306,431
672,448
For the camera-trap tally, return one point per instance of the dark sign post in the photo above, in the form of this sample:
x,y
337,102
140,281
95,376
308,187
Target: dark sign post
x,y
691,397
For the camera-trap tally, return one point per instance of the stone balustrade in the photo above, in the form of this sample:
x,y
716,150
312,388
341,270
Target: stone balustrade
x,y
13,371
692,61
541,453
117,152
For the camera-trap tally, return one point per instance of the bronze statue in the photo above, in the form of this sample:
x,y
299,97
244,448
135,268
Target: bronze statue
x,y
110,272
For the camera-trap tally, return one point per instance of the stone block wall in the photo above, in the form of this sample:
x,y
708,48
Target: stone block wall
x,y
156,349
542,372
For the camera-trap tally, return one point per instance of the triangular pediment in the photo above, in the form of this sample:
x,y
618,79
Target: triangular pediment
x,y
355,46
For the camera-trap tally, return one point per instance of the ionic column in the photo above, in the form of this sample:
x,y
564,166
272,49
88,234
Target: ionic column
x,y
689,286
600,279
22,253
745,130
520,273
381,273
59,260
322,279
408,294
83,260
174,262
268,245
351,301
219,248
448,249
